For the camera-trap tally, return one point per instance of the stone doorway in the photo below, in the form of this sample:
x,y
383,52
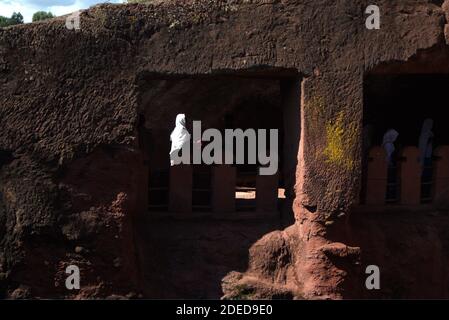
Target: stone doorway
x,y
185,253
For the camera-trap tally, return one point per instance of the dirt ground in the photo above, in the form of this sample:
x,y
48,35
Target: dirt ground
x,y
188,258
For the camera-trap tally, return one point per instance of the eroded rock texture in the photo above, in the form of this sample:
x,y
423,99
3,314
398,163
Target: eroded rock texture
x,y
70,161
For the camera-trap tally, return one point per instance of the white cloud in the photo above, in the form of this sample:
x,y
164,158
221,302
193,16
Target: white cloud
x,y
58,7
48,3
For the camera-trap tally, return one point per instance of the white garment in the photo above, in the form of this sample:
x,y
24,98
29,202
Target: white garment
x,y
179,136
388,143
425,141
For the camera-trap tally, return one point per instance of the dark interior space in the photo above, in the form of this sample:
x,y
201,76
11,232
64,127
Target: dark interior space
x,y
5,157
221,102
408,243
403,102
187,255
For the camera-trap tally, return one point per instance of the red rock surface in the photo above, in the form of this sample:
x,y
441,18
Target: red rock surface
x,y
71,168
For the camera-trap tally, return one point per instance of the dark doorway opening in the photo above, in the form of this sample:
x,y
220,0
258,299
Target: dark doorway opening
x,y
185,255
403,102
220,102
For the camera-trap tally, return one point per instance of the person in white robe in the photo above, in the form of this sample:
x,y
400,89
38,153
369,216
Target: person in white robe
x,y
388,143
425,142
178,137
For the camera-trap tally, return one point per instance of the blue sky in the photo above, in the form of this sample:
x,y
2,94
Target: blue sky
x,y
58,7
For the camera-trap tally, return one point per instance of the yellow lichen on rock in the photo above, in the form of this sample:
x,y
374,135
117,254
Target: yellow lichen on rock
x,y
339,142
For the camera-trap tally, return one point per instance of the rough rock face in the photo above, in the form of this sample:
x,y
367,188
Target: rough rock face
x,y
69,157
271,271
410,249
84,219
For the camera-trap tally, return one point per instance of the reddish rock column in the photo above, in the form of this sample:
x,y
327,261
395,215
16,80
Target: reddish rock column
x,y
441,175
410,175
223,188
376,177
180,193
291,107
328,177
267,193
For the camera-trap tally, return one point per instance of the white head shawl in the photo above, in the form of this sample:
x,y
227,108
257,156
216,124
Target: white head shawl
x,y
179,135
425,143
388,142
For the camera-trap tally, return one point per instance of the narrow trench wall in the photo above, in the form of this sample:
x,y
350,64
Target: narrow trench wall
x,y
291,107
